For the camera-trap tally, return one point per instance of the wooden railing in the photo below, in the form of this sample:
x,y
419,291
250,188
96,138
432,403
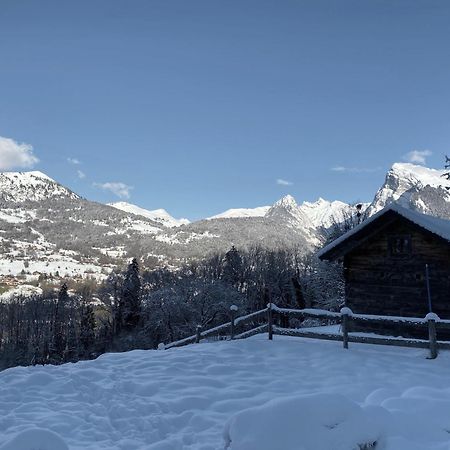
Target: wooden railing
x,y
234,329
267,320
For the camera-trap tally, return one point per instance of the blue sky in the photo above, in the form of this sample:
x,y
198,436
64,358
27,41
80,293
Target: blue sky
x,y
201,106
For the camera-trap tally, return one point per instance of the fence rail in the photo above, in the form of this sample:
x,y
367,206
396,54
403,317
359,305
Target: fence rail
x,y
231,328
265,320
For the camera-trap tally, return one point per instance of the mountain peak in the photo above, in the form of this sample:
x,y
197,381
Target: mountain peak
x,y
32,186
424,175
27,176
320,201
158,215
286,202
403,181
324,213
233,213
38,174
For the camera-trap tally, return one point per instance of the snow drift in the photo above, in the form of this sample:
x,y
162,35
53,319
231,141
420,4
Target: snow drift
x,y
254,394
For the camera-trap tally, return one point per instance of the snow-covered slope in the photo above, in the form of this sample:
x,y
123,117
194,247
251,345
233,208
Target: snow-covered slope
x,y
286,210
324,213
254,394
32,186
46,228
260,211
403,182
158,215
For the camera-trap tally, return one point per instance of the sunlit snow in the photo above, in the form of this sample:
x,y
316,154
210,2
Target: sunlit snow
x,y
254,394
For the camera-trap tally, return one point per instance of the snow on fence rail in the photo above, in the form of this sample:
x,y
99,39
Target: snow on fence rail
x,y
231,326
345,318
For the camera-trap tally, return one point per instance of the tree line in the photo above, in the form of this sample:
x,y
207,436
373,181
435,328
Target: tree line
x,y
134,309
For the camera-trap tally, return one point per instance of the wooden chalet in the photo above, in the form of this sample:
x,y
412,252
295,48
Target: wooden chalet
x,y
385,259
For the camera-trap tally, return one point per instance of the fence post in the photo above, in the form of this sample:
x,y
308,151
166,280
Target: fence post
x,y
198,335
346,314
432,318
233,310
270,320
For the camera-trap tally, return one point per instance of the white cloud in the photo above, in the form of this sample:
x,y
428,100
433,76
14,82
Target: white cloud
x,y
73,161
282,182
355,169
16,155
81,174
417,156
119,189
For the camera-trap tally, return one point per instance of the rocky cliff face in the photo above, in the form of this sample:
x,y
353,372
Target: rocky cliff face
x,y
412,186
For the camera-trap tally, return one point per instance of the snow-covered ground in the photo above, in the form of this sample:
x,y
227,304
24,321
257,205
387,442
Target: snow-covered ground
x,y
23,290
254,394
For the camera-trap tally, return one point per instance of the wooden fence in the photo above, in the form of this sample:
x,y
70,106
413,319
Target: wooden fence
x,y
268,320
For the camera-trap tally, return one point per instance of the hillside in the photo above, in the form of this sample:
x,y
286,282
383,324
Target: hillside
x,y
48,229
254,394
45,228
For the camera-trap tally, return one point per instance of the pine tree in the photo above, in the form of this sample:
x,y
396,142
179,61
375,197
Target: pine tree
x,y
87,328
59,341
232,267
131,296
71,348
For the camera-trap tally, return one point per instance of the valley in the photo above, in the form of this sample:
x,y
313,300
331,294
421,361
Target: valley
x,y
47,231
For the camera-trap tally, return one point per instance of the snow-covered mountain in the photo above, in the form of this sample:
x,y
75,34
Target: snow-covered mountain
x,y
158,215
31,186
308,217
259,211
324,213
321,213
47,228
412,186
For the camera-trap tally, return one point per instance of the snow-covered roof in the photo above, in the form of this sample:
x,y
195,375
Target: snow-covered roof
x,y
435,225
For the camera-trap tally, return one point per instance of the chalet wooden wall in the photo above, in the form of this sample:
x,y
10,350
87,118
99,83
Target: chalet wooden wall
x,y
378,283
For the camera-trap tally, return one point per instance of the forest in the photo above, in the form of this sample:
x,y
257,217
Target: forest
x,y
134,309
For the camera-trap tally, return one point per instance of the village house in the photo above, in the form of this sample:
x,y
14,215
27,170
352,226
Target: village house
x,y
386,259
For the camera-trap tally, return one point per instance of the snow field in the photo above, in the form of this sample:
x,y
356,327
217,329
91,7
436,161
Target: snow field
x,y
253,394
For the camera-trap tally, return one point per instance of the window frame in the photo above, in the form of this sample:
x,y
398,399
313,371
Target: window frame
x,y
404,254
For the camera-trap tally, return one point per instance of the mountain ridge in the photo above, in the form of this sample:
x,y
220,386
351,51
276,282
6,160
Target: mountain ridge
x,y
45,228
158,215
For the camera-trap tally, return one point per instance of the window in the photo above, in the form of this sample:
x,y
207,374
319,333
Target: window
x,y
400,245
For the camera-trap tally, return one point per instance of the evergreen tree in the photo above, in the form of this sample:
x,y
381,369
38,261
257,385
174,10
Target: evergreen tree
x,y
131,296
87,328
63,296
71,348
232,267
59,335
